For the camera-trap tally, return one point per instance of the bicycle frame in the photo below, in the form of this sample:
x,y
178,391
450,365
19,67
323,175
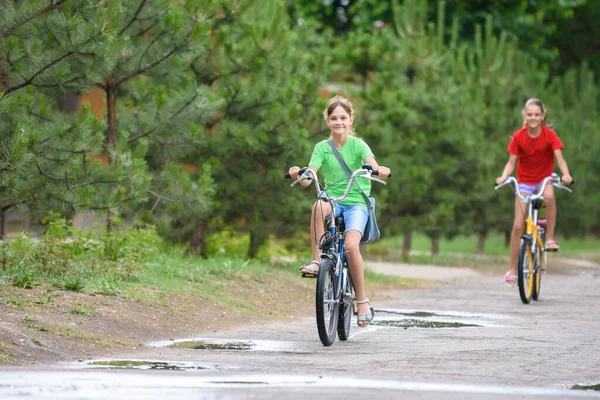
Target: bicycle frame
x,y
336,252
531,260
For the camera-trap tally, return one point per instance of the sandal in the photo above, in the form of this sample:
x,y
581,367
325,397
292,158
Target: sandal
x,y
368,318
510,279
308,271
552,245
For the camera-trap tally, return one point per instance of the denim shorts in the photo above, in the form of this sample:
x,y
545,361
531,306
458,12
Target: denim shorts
x,y
355,216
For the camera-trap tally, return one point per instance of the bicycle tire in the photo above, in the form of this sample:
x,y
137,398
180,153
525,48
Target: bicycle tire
x,y
327,308
539,268
346,310
525,272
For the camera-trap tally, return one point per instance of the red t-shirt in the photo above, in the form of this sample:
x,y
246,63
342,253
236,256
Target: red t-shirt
x,y
536,155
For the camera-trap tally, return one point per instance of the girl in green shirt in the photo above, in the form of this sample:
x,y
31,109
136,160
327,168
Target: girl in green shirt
x,y
339,116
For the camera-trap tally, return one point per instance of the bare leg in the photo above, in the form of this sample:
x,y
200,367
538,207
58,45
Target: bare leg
x,y
319,211
355,261
550,201
517,232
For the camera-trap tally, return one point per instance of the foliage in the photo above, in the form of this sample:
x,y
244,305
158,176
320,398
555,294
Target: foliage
x,y
51,159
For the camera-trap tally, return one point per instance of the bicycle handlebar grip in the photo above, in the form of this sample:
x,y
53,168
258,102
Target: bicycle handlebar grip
x,y
375,172
287,175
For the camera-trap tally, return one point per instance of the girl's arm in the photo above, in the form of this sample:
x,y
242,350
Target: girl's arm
x,y
384,172
508,169
564,168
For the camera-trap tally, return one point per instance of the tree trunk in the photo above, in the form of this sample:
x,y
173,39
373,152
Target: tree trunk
x,y
257,239
435,245
407,245
111,108
197,241
481,243
2,224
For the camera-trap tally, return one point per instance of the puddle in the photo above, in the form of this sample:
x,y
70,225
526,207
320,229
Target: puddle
x,y
587,387
212,345
231,344
423,314
147,365
419,323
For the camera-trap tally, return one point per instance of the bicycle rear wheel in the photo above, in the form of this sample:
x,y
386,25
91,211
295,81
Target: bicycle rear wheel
x,y
327,307
345,319
525,272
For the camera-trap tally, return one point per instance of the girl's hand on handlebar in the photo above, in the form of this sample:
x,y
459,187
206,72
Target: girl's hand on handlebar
x,y
294,171
383,172
500,180
567,179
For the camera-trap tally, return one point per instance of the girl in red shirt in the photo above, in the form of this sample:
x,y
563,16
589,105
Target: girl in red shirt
x,y
534,146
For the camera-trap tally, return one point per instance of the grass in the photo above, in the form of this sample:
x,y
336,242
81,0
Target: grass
x,y
462,250
137,264
83,309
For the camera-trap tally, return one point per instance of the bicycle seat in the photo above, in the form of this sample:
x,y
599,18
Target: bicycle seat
x,y
539,204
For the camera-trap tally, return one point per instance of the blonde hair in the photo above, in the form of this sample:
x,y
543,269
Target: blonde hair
x,y
534,102
343,102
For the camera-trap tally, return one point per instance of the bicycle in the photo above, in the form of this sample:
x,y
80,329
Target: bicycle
x,y
532,258
335,302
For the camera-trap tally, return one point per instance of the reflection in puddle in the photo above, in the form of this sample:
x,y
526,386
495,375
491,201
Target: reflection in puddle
x,y
423,314
212,345
231,344
419,323
586,387
141,364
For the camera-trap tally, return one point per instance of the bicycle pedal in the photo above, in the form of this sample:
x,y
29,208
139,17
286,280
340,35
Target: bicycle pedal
x,y
354,307
305,275
550,250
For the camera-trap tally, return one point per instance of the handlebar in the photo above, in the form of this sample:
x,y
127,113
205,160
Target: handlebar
x,y
365,172
365,166
556,182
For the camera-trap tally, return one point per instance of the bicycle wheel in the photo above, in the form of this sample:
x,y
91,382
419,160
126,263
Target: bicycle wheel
x,y
540,267
525,272
345,319
537,273
327,307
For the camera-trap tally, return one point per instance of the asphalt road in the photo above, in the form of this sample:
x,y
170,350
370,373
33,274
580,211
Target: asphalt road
x,y
468,336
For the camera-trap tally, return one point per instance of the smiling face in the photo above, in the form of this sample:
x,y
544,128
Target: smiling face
x,y
340,121
534,116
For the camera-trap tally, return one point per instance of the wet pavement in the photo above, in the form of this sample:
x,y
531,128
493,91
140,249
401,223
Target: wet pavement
x,y
469,336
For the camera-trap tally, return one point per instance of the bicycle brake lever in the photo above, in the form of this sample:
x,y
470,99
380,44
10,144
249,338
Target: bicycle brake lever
x,y
375,179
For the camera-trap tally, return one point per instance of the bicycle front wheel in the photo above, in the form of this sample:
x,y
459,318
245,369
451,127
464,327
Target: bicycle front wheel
x,y
327,306
525,272
540,266
345,319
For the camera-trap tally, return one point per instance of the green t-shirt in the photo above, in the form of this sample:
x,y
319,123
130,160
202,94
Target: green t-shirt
x,y
354,153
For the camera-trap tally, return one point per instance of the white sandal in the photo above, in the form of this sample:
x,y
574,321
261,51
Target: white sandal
x,y
308,271
364,317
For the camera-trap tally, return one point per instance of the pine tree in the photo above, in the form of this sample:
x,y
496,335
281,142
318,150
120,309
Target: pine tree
x,y
267,75
48,49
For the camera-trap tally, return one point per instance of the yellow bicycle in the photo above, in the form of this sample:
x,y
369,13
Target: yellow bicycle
x,y
532,251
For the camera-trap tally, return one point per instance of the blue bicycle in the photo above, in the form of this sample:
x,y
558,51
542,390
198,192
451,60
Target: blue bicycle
x,y
335,300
